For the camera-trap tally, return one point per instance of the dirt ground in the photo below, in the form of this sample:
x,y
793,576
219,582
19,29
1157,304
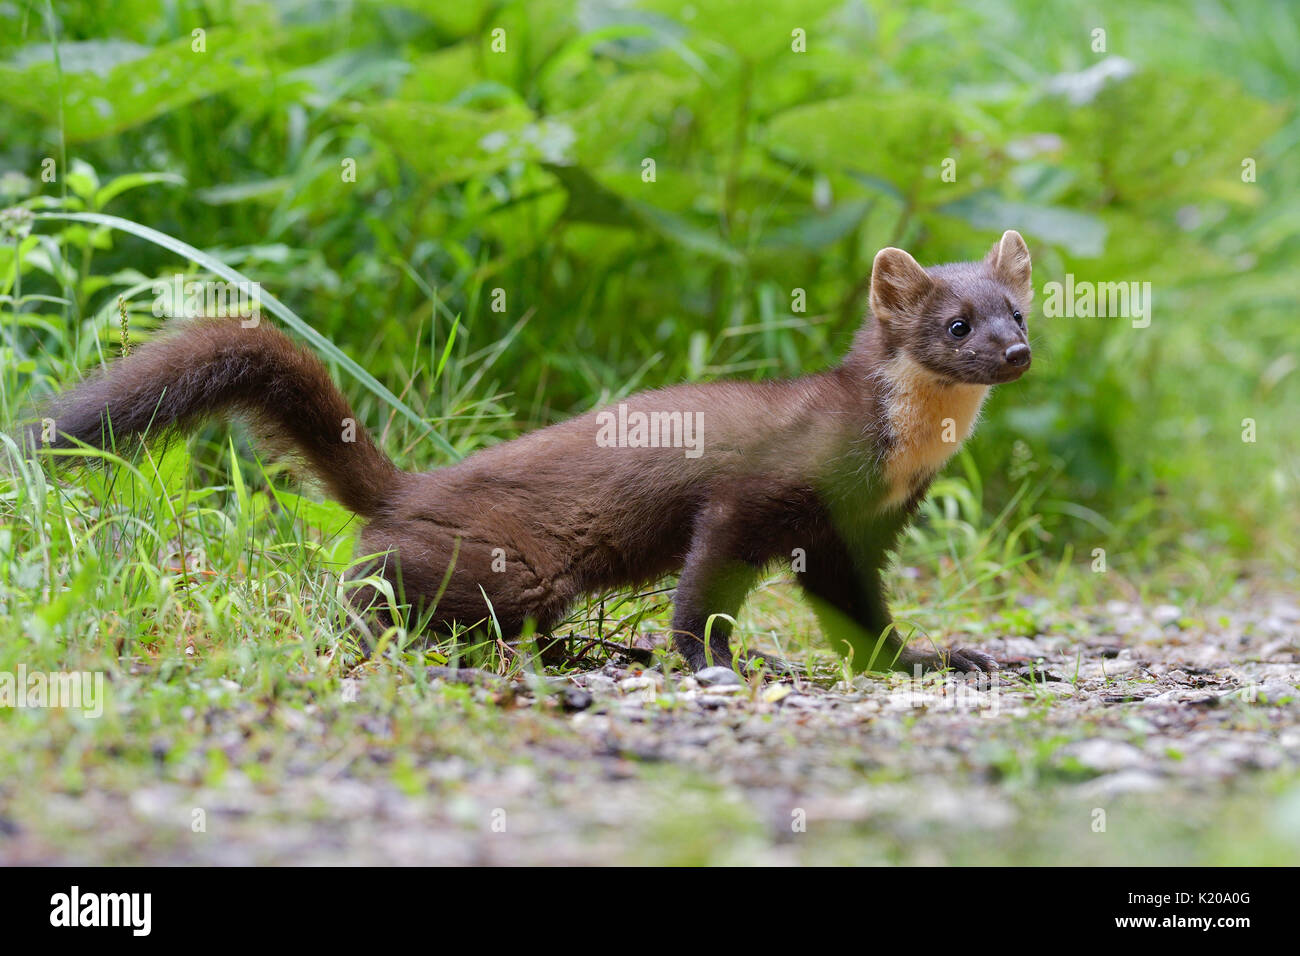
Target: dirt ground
x,y
1126,734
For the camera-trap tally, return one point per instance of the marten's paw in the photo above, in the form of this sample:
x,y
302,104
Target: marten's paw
x,y
966,661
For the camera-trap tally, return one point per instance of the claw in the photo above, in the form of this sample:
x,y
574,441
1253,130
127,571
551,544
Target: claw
x,y
966,660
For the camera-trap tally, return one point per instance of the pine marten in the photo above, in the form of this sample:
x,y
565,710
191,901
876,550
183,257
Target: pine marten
x,y
822,471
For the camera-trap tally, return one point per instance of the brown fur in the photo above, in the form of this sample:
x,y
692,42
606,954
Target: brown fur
x,y
824,470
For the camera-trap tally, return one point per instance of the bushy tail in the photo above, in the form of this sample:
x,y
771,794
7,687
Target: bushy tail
x,y
216,368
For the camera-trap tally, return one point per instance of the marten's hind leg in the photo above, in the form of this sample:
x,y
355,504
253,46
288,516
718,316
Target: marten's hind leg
x,y
487,583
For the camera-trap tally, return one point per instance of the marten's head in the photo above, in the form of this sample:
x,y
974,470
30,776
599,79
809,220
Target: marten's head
x,y
964,322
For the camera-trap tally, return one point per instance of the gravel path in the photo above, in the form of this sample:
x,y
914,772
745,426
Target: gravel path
x,y
1124,734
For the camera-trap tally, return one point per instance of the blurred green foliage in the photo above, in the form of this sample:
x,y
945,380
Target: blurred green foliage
x,y
525,169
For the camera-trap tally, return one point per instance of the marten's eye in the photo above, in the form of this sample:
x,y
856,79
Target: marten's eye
x,y
959,328
1020,319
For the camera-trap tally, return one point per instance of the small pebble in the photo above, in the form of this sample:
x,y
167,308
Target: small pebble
x,y
1166,614
575,699
718,677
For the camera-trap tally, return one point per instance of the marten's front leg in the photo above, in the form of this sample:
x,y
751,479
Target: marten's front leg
x,y
849,598
719,571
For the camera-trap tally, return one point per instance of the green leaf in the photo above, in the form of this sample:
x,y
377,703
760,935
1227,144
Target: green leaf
x,y
819,229
121,184
447,144
753,33
110,86
446,351
229,193
244,517
684,234
1079,232
589,201
172,469
897,143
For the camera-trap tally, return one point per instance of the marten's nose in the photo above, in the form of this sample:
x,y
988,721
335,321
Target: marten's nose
x,y
1017,355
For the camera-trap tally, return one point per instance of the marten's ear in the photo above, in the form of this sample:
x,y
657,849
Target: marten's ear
x,y
1009,261
898,286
